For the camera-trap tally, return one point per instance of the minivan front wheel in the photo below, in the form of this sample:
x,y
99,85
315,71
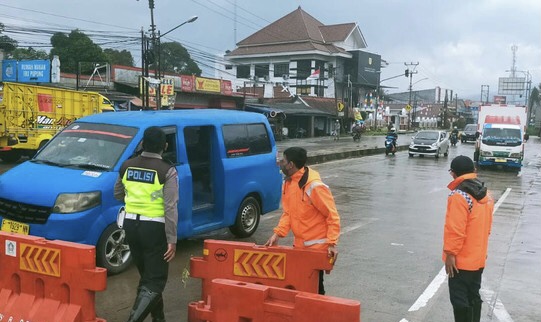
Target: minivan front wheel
x,y
112,251
247,219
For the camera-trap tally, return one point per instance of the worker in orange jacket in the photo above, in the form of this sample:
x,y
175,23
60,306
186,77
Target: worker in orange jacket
x,y
465,239
308,206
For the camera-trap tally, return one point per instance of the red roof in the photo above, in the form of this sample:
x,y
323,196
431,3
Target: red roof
x,y
297,31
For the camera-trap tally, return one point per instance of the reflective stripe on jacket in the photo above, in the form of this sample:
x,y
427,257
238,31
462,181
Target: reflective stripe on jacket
x,y
143,179
309,211
467,226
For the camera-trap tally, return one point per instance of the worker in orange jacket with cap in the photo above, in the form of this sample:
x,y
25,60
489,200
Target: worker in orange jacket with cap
x,y
308,206
465,239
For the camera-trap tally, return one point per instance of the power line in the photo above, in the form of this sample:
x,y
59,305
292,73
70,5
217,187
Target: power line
x,y
65,17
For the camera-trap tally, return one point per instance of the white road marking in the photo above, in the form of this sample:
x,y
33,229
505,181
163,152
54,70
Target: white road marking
x,y
270,216
502,198
497,306
357,226
429,291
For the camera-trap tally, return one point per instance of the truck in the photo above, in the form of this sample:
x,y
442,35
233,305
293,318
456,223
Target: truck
x,y
31,115
500,139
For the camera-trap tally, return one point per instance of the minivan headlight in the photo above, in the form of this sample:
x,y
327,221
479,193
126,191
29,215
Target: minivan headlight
x,y
68,203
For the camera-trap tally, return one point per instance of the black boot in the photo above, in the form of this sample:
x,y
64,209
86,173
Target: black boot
x,y
157,312
463,314
144,303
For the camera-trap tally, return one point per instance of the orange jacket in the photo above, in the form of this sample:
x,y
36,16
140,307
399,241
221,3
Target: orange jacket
x,y
467,222
309,211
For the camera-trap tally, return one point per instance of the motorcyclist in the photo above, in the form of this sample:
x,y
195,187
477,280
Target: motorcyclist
x,y
454,133
392,134
357,127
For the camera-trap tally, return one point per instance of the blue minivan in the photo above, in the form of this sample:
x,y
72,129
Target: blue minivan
x,y
226,162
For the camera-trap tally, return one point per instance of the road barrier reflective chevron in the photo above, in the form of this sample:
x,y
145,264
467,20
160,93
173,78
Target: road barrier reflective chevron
x,y
279,266
239,301
48,281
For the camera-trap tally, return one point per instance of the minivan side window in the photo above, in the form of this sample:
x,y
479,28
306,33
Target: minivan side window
x,y
246,139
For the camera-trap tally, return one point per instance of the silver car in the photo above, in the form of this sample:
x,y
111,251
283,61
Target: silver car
x,y
429,142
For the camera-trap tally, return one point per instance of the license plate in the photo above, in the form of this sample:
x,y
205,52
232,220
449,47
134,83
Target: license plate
x,y
500,160
11,226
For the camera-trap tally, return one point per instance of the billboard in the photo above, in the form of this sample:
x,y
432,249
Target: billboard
x,y
511,85
368,68
500,99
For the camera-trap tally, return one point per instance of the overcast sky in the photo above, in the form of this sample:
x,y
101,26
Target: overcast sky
x,y
459,44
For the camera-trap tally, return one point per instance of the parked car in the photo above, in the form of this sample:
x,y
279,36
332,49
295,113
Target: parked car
x,y
429,142
469,133
227,171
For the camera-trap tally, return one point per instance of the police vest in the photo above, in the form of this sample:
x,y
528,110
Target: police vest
x,y
144,179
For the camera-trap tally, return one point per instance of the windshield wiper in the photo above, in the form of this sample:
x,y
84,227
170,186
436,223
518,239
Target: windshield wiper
x,y
56,164
87,166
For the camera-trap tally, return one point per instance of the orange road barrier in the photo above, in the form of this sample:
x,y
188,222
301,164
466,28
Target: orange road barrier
x,y
48,281
278,266
239,301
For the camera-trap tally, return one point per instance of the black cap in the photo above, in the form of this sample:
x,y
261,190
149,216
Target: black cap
x,y
462,165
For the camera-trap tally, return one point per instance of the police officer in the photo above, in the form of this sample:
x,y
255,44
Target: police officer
x,y
149,187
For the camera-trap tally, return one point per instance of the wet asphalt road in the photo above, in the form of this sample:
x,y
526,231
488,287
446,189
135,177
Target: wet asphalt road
x,y
392,211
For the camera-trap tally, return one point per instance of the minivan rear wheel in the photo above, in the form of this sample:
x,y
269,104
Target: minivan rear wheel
x,y
247,219
113,252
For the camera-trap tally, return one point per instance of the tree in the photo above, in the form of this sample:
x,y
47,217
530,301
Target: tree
x,y
29,53
116,57
74,48
7,44
176,59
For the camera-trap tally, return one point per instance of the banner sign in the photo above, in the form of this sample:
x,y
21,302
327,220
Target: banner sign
x,y
227,88
9,70
186,83
207,85
34,71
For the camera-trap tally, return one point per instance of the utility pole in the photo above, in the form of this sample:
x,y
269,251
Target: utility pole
x,y
485,92
409,72
144,91
350,86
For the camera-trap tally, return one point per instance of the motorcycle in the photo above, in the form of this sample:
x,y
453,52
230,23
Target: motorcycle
x,y
356,132
356,136
454,139
390,145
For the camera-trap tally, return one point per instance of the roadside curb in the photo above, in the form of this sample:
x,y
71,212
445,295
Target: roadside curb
x,y
315,159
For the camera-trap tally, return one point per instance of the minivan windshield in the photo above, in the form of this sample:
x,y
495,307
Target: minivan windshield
x,y
87,146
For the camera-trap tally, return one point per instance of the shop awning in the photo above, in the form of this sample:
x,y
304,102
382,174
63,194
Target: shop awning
x,y
268,111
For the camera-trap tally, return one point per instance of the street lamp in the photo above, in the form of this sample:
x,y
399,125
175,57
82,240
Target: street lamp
x,y
155,52
379,87
192,19
157,71
409,103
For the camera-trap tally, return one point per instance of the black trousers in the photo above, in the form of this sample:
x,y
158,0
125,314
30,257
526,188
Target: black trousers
x,y
148,244
321,289
464,288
